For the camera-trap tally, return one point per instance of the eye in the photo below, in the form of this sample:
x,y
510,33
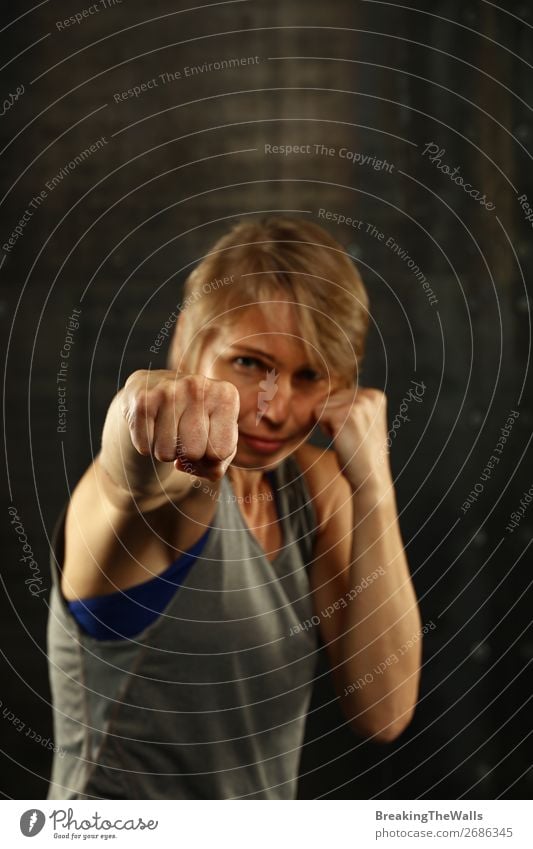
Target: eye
x,y
248,363
310,375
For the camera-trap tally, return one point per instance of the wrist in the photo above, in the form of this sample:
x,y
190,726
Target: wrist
x,y
374,490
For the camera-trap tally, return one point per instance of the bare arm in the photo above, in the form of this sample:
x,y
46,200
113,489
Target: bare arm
x,y
373,634
380,648
161,428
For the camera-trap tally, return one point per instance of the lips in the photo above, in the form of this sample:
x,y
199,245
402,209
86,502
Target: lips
x,y
263,444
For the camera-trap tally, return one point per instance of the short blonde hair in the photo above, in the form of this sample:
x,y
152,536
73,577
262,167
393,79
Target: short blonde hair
x,y
259,260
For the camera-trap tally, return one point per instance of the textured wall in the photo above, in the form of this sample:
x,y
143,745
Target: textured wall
x,y
418,98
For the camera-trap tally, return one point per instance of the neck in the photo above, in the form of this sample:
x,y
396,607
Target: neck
x,y
246,482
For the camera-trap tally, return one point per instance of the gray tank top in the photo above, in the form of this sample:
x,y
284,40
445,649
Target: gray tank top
x,y
210,700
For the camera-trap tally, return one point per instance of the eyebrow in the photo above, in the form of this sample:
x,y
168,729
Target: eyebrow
x,y
266,356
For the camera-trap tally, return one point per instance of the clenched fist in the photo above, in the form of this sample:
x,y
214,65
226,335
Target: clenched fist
x,y
185,419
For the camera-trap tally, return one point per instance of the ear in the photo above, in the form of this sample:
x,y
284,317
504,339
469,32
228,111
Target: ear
x,y
353,383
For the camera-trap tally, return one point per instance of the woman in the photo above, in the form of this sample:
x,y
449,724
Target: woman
x,y
210,549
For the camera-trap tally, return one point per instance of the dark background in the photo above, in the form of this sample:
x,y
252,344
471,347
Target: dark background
x,y
182,162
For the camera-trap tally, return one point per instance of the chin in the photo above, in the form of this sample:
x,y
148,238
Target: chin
x,y
248,459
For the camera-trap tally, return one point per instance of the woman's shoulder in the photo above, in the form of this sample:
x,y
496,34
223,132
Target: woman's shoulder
x,y
328,488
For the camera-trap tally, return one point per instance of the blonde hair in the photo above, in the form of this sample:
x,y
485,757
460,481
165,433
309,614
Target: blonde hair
x,y
259,261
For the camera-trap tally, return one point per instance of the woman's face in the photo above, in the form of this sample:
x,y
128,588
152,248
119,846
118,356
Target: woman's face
x,y
279,389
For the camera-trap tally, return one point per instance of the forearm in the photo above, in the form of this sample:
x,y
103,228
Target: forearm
x,y
380,674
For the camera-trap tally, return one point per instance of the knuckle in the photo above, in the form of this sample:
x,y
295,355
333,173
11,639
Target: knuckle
x,y
140,407
160,395
138,376
195,384
229,393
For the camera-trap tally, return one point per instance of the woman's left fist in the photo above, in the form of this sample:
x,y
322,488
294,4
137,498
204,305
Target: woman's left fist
x,y
356,420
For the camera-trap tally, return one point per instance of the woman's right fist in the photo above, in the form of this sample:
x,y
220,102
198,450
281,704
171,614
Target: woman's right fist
x,y
188,420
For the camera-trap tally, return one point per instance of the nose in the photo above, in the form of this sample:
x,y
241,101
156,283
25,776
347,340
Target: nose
x,y
274,399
